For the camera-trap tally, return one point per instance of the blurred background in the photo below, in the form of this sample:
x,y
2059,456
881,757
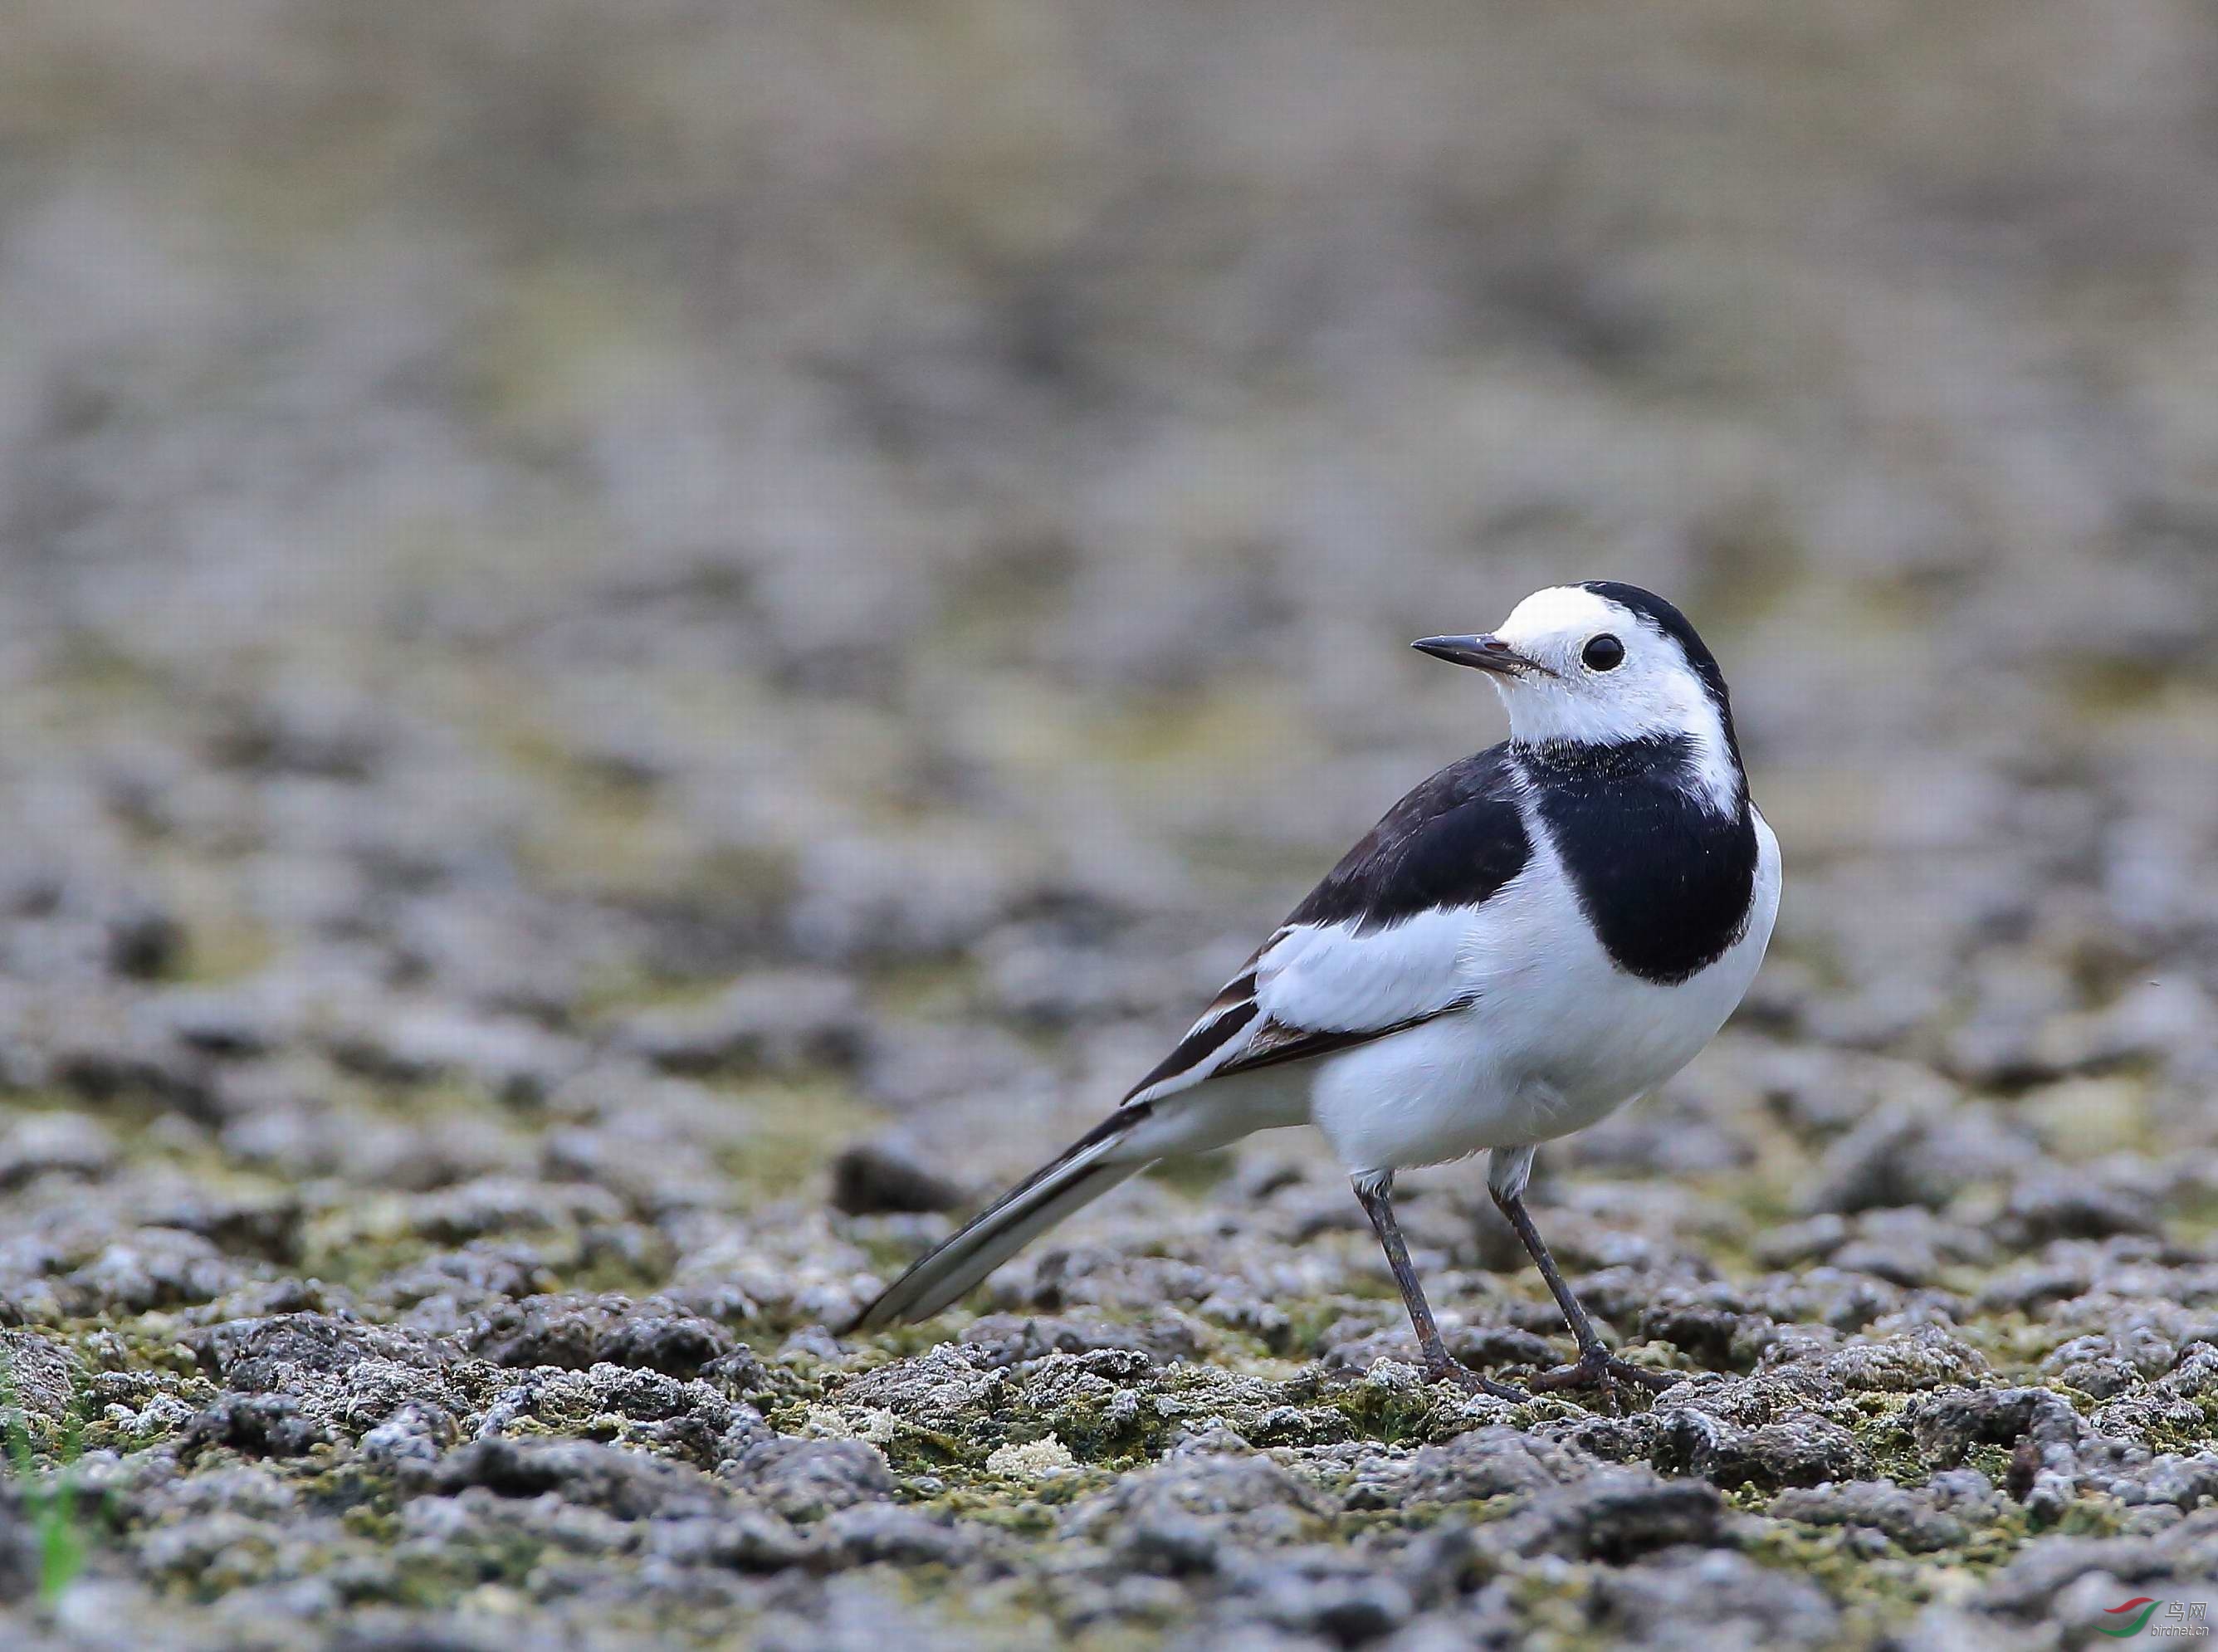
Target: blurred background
x,y
624,597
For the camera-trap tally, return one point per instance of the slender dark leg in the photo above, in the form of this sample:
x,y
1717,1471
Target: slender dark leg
x,y
1440,1366
1596,1368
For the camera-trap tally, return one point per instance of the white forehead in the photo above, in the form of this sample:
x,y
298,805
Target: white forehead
x,y
1562,611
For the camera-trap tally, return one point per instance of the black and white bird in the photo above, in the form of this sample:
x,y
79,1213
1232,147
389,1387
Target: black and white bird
x,y
1531,939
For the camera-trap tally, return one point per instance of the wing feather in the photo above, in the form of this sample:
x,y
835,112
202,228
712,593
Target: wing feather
x,y
1378,946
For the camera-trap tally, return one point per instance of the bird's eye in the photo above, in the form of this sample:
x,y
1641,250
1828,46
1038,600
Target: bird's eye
x,y
1603,653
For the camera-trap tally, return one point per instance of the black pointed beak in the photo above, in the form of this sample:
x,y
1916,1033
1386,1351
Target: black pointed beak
x,y
1485,653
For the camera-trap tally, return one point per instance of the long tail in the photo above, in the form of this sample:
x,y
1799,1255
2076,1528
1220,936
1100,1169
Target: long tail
x,y
1089,1167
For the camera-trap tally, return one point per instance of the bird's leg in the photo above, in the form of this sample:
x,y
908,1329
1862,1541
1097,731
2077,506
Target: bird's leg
x,y
1377,1197
1595,1367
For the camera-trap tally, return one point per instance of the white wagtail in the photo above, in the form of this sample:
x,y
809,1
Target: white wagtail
x,y
1532,939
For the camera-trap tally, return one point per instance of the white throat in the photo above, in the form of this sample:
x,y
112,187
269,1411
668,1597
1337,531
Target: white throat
x,y
1540,718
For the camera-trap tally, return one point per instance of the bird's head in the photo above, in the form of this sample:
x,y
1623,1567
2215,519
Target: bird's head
x,y
1601,664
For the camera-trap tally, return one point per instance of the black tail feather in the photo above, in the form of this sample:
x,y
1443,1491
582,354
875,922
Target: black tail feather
x,y
1085,1171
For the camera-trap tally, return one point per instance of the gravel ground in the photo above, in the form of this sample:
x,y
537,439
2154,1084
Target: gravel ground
x,y
644,647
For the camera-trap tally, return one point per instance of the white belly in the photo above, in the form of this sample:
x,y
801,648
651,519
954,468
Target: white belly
x,y
1557,1038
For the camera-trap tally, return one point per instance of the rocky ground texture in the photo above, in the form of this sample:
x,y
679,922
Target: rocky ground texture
x,y
644,648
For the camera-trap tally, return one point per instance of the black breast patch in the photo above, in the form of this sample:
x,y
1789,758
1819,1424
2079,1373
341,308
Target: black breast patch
x,y
1452,842
1665,879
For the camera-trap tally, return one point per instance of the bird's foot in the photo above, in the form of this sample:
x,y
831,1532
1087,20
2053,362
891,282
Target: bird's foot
x,y
1599,1370
1449,1369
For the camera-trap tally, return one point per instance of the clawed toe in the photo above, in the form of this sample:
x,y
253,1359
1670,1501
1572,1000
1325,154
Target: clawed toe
x,y
1598,1369
1470,1382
